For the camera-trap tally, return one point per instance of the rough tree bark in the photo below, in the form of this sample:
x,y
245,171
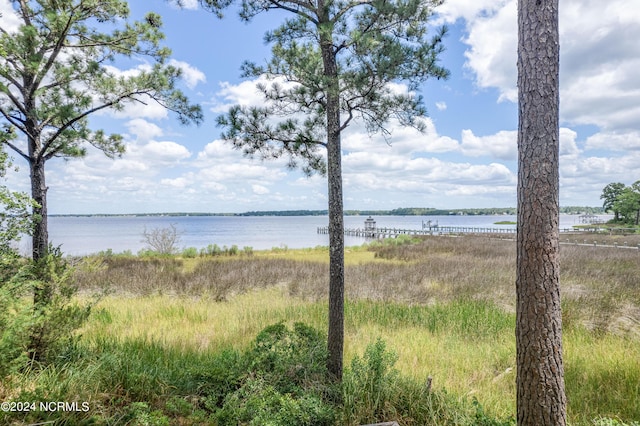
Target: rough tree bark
x,y
40,237
540,373
335,337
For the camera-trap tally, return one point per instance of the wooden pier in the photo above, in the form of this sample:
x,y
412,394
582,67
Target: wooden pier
x,y
435,230
395,232
452,231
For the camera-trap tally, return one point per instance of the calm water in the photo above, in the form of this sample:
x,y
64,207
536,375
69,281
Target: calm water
x,y
85,235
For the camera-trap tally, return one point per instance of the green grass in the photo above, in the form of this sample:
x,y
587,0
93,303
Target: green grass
x,y
466,346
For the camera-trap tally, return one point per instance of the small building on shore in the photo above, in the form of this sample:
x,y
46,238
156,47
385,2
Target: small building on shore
x,y
370,227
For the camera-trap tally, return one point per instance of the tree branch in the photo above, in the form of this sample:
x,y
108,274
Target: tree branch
x,y
277,5
70,123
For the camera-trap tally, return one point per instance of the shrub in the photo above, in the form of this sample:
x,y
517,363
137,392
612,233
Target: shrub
x,y
211,250
190,252
283,381
163,241
291,360
139,414
41,332
259,403
369,383
223,377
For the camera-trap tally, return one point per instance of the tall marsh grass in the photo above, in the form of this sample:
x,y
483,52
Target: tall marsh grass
x,y
599,285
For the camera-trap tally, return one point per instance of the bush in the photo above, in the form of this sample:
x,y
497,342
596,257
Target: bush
x,y
39,332
211,250
163,241
259,403
190,252
291,360
369,384
139,414
281,380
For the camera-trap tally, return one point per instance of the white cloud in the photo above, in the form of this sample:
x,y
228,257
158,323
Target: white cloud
x,y
399,173
125,165
191,75
441,106
143,129
245,93
186,4
9,20
217,150
164,152
599,170
503,145
568,145
491,56
599,56
627,141
240,172
260,190
178,183
452,10
402,140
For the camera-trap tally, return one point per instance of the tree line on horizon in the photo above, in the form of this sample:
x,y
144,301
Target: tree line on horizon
x,y
400,211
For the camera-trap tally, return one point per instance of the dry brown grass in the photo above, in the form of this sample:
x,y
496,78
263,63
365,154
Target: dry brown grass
x,y
600,286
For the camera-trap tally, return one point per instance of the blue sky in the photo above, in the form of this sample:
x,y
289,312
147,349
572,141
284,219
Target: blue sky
x,y
467,157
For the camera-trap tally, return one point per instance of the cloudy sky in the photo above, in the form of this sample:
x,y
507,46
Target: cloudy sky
x,y
466,158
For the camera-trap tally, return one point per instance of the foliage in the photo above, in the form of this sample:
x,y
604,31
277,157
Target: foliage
x,y
46,332
139,414
285,381
15,220
189,253
609,195
482,419
64,50
369,384
372,44
258,403
624,201
628,204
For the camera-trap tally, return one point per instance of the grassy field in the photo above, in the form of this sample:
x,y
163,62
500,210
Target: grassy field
x,y
444,306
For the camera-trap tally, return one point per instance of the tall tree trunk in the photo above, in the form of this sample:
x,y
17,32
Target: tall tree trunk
x,y
336,260
40,240
39,188
335,339
540,373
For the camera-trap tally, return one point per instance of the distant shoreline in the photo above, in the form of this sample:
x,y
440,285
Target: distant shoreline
x,y
410,211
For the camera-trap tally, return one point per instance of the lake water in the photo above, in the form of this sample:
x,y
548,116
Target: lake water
x,y
86,235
